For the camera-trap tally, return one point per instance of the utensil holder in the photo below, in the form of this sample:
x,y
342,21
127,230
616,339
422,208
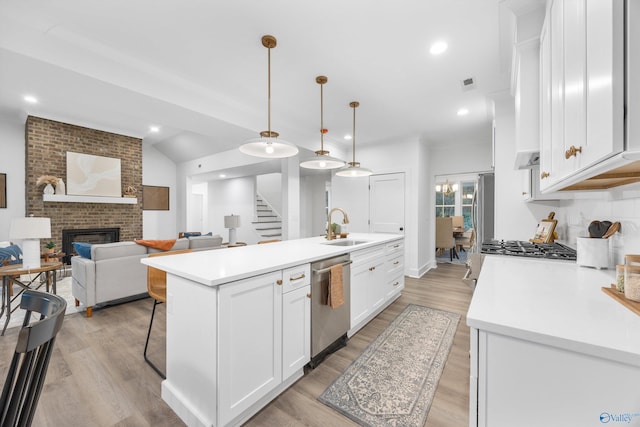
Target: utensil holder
x,y
593,252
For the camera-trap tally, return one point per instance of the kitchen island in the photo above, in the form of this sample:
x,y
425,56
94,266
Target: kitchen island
x,y
549,347
238,320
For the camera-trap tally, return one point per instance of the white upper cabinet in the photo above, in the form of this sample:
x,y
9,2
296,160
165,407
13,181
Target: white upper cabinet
x,y
581,87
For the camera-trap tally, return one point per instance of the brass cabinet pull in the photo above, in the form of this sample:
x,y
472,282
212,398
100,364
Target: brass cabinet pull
x,y
396,263
544,175
372,268
572,151
396,284
309,296
524,193
302,276
279,281
396,246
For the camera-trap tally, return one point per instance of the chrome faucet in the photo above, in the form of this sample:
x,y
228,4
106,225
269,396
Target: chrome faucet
x,y
330,234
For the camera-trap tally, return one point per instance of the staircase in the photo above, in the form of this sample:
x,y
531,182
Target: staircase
x,y
268,223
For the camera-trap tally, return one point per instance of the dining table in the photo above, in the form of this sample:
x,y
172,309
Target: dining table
x,y
13,275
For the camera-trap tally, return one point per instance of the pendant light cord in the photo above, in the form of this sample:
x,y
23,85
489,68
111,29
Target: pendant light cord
x,y
354,104
269,91
321,119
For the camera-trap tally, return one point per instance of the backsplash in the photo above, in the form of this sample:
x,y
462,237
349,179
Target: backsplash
x,y
576,215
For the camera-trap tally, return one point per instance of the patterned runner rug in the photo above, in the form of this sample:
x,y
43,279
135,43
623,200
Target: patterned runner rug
x,y
393,381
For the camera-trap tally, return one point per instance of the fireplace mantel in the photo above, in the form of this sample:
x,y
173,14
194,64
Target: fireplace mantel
x,y
89,199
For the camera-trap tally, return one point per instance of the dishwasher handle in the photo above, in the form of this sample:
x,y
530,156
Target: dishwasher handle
x,y
325,270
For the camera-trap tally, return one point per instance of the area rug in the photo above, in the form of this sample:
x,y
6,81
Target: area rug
x,y
393,381
63,288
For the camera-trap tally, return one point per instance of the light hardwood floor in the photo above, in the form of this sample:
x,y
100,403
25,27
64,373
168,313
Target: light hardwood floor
x,y
97,376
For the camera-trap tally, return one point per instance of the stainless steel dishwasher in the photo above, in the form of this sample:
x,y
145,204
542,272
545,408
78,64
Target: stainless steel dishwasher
x,y
329,326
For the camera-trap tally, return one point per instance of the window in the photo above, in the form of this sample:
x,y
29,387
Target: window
x,y
468,188
445,202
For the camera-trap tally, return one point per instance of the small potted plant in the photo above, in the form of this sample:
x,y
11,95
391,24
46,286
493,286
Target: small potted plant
x,y
50,247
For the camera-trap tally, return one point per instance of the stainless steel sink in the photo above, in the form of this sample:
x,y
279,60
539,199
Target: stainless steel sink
x,y
345,242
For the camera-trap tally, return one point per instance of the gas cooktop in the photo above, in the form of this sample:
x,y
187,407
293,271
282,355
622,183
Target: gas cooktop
x,y
528,249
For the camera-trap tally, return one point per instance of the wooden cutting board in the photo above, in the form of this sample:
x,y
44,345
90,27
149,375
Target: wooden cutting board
x,y
619,296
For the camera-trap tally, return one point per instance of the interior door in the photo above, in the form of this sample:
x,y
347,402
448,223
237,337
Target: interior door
x,y
386,203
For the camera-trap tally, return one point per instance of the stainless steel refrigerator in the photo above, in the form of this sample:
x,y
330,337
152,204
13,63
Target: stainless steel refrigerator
x,y
483,208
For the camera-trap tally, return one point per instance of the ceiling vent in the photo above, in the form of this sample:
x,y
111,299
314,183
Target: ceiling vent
x,y
468,83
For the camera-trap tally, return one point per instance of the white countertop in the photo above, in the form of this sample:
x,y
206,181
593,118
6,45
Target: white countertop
x,y
555,303
215,267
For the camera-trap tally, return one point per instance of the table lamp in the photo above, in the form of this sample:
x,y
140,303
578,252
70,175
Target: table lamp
x,y
30,230
232,222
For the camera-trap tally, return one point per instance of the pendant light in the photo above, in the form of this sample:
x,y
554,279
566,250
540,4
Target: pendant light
x,y
269,145
322,160
354,170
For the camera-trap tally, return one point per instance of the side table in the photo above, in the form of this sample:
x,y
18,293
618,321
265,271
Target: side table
x,y
11,275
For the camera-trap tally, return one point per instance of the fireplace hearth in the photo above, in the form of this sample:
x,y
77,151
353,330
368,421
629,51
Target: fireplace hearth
x,y
87,235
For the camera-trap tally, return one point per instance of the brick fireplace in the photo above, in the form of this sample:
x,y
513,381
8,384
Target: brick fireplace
x,y
47,142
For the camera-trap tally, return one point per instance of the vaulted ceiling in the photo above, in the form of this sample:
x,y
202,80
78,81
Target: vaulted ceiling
x,y
197,70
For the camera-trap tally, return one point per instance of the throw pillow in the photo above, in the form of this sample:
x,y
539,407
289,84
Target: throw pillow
x,y
83,249
192,234
11,253
163,245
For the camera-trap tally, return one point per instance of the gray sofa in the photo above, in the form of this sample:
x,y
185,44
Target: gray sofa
x,y
115,272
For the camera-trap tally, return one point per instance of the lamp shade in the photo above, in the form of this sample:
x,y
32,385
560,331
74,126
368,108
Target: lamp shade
x,y
354,172
322,161
232,221
30,228
270,148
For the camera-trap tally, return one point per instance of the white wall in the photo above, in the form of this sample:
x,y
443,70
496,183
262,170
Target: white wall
x,y
352,194
312,204
158,170
232,197
270,188
12,161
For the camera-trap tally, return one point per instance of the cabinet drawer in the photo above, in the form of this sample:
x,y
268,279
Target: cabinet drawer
x,y
394,247
296,277
395,266
366,255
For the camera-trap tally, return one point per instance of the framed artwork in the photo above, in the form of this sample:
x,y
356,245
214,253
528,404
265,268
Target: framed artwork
x,y
3,190
544,232
89,175
155,198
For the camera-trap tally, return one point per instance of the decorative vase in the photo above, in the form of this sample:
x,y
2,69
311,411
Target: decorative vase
x,y
48,189
60,187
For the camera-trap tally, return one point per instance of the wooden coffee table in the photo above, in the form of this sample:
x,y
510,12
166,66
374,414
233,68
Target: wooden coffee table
x,y
11,275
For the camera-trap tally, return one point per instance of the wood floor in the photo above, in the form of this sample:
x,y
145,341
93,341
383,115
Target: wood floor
x,y
97,376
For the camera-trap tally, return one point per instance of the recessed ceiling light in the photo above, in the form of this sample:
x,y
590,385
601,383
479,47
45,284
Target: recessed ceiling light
x,y
438,47
463,112
222,175
31,99
154,129
347,137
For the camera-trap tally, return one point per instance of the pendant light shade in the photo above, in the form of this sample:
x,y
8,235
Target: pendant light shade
x,y
322,160
269,145
353,170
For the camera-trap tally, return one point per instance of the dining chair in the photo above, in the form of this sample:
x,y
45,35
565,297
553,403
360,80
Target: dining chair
x,y
157,288
30,361
444,236
457,221
466,240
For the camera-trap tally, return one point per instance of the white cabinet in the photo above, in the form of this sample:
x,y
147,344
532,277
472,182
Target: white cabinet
x,y
367,283
377,277
249,342
394,268
552,383
296,319
581,87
